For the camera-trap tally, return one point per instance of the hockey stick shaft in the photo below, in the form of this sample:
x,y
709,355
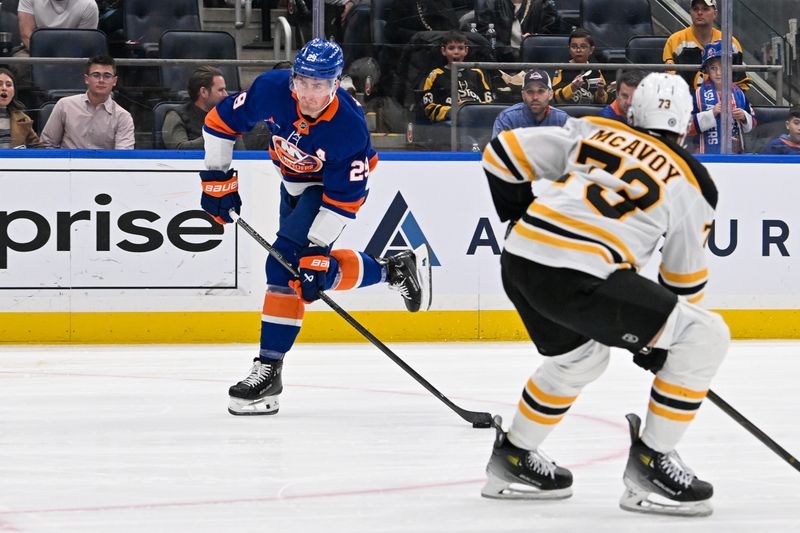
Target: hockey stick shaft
x,y
749,426
477,419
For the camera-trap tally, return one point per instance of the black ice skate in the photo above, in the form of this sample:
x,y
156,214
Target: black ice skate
x,y
257,394
410,273
660,483
517,474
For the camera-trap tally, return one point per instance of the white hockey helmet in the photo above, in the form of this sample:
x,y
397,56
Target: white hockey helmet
x,y
661,102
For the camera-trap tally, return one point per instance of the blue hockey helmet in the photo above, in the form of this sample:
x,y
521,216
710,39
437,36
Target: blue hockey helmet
x,y
319,59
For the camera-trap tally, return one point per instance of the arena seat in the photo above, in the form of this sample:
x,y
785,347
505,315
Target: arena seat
x,y
43,115
645,49
57,80
613,22
569,11
770,123
475,123
545,49
580,110
186,44
145,20
159,114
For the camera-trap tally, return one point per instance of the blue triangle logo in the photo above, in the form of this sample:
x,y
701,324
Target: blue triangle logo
x,y
398,231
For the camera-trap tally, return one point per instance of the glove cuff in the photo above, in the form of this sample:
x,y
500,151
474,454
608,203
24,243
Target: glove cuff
x,y
218,184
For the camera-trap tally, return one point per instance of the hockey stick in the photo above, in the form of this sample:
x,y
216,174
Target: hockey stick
x,y
749,426
477,419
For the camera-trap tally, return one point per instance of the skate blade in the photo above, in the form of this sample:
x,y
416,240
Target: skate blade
x,y
422,255
641,501
501,489
267,405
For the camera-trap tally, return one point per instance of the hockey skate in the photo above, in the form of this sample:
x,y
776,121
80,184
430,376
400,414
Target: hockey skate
x,y
517,474
660,483
257,394
409,272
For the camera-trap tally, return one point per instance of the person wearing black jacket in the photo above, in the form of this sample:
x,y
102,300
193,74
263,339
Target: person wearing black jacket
x,y
514,20
408,17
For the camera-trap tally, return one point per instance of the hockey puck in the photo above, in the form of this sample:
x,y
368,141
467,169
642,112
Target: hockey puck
x,y
481,424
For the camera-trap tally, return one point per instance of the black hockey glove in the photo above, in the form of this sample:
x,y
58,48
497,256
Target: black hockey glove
x,y
220,194
651,359
313,268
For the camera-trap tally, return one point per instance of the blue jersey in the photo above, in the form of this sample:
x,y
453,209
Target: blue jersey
x,y
520,115
782,145
333,150
612,111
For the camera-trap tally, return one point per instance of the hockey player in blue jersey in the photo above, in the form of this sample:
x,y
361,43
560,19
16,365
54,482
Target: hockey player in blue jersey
x,y
321,147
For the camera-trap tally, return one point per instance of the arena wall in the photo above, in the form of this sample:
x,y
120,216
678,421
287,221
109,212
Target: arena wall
x,y
109,247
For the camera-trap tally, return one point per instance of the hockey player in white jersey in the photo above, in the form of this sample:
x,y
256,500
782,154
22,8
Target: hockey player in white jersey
x,y
605,194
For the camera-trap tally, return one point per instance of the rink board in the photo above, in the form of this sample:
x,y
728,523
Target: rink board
x,y
110,247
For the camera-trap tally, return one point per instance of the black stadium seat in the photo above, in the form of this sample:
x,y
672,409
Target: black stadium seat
x,y
43,115
145,21
159,114
379,16
578,110
200,45
613,22
545,49
645,49
569,11
770,123
475,124
57,80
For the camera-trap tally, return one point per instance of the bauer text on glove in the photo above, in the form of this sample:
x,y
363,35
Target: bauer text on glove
x,y
220,194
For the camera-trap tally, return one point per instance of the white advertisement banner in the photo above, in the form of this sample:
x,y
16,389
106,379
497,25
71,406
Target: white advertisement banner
x,y
125,234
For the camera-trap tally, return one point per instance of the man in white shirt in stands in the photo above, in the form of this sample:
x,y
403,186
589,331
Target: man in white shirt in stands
x,y
33,14
91,120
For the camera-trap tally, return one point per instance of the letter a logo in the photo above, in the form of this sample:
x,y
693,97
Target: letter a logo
x,y
398,231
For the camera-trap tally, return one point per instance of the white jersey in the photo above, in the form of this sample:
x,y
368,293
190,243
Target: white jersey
x,y
611,193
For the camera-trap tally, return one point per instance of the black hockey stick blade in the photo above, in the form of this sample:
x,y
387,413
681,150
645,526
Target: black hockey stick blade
x,y
749,426
476,418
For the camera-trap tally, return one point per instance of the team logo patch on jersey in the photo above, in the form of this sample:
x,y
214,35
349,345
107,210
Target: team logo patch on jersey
x,y
294,158
398,231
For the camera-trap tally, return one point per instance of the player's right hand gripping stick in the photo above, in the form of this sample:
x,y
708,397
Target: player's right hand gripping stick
x,y
220,194
314,264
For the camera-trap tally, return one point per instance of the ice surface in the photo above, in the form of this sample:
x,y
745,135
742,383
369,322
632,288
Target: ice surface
x,y
138,439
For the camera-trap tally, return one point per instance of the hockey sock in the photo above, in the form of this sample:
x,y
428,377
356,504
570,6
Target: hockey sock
x,y
696,341
541,407
671,409
552,389
355,269
281,319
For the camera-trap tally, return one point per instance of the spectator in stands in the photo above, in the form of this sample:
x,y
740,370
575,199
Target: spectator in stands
x,y
788,143
473,85
707,107
580,86
35,14
183,129
16,128
535,108
514,20
626,84
91,120
685,47
408,17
